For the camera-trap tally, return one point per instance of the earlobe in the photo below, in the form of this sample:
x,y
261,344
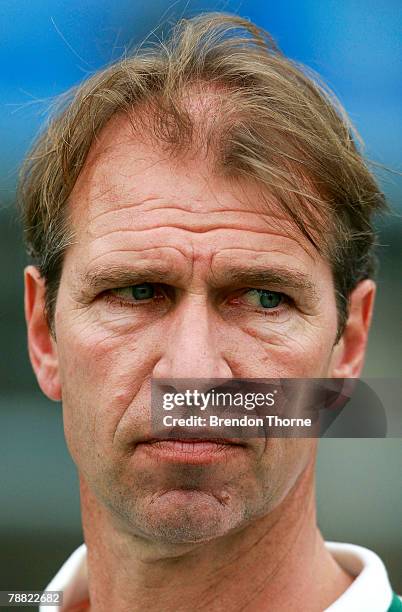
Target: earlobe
x,y
348,355
41,345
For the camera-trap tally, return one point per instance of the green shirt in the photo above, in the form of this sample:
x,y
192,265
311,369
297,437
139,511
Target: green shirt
x,y
396,604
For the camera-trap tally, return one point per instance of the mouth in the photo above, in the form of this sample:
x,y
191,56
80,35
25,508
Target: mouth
x,y
190,450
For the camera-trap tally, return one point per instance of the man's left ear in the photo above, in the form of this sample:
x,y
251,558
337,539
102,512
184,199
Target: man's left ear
x,y
348,355
41,345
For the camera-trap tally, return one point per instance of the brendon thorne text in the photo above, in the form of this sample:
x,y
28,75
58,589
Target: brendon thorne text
x,y
272,420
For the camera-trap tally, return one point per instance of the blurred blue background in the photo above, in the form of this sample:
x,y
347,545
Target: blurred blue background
x,y
48,46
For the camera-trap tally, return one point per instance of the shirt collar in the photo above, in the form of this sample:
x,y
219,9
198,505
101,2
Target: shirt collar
x,y
370,591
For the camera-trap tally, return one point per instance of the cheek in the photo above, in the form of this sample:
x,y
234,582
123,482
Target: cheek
x,y
104,371
301,351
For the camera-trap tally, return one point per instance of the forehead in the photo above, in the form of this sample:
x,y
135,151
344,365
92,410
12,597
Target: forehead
x,y
123,163
129,181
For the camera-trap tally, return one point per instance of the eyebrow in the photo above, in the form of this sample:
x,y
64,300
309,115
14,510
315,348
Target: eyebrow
x,y
277,276
115,276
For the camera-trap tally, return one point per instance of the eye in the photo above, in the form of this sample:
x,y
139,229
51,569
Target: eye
x,y
263,298
136,293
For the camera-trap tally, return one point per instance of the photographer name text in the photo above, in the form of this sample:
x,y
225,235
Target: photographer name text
x,y
272,420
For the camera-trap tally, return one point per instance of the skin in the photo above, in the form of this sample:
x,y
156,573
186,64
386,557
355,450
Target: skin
x,y
238,533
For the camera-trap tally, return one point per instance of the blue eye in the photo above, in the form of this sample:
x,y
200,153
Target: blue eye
x,y
146,291
264,298
269,299
136,293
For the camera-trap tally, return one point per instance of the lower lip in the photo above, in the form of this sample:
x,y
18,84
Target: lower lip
x,y
185,451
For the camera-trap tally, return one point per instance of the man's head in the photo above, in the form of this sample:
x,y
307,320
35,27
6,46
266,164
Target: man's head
x,y
197,210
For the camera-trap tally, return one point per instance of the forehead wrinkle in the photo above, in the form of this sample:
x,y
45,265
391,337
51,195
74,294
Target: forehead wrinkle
x,y
183,228
120,207
143,250
124,211
268,252
256,253
133,198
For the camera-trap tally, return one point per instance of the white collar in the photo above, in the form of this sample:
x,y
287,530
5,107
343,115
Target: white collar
x,y
369,592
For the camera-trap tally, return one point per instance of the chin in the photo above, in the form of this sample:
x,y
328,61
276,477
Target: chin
x,y
188,516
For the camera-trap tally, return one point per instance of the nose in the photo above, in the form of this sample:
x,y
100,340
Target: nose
x,y
193,345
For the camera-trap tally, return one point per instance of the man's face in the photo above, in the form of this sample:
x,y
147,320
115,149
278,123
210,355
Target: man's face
x,y
163,281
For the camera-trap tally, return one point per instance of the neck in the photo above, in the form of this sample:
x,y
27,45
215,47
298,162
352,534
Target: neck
x,y
277,562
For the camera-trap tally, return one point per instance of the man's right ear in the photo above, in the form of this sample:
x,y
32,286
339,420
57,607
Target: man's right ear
x,y
41,344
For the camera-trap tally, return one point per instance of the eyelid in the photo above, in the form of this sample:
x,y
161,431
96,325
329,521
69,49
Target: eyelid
x,y
124,287
160,291
243,291
283,309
